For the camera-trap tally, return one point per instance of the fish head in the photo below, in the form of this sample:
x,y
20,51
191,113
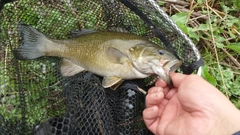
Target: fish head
x,y
151,59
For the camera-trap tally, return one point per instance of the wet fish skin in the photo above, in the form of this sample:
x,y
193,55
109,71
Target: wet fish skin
x,y
116,56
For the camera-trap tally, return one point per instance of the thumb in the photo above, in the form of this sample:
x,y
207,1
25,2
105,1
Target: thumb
x,y
177,78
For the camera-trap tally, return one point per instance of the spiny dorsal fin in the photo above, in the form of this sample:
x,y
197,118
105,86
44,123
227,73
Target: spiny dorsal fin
x,y
69,69
78,33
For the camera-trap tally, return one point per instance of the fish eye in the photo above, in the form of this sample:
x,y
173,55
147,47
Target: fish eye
x,y
161,52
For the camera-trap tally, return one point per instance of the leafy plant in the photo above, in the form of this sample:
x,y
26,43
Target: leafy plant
x,y
215,28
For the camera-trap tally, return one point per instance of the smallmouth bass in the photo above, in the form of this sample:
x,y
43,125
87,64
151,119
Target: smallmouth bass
x,y
116,56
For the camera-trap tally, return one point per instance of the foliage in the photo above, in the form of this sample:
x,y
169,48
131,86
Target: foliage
x,y
215,27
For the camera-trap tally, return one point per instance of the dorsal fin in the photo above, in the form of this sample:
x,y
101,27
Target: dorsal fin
x,y
77,33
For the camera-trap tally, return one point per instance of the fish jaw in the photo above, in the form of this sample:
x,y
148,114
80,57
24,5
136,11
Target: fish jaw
x,y
172,66
164,68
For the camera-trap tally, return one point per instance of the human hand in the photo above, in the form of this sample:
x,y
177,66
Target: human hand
x,y
193,106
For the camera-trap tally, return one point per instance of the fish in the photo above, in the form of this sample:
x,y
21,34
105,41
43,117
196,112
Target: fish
x,y
116,56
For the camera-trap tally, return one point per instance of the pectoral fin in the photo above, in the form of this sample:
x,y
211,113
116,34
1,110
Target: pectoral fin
x,y
115,86
114,55
112,82
69,69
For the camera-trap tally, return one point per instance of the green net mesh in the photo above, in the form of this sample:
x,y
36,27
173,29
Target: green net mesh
x,y
37,99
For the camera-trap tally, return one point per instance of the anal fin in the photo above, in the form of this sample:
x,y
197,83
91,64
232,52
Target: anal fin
x,y
69,69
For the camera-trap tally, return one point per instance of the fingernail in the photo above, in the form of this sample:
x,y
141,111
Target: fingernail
x,y
157,89
155,95
151,108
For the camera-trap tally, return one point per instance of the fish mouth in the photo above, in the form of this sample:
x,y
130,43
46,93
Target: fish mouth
x,y
167,66
172,66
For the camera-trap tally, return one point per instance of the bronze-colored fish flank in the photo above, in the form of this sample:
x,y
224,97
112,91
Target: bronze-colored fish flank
x,y
116,56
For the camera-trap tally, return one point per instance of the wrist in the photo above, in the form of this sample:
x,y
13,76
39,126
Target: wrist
x,y
235,126
229,123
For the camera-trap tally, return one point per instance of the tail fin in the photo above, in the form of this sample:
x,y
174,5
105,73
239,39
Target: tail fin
x,y
32,45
